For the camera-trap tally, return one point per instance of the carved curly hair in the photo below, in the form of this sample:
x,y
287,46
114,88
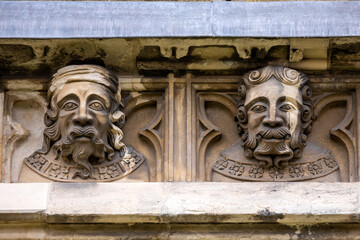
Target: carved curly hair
x,y
286,76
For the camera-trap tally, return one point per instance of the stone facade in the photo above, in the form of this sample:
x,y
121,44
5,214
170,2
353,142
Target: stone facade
x,y
222,135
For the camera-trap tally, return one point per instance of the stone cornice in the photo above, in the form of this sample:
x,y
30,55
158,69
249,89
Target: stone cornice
x,y
133,203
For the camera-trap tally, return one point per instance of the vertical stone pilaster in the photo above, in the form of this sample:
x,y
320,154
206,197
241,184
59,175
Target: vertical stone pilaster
x,y
190,131
357,119
2,105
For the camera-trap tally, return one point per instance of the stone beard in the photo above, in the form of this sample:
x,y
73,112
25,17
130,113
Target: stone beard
x,y
271,146
82,138
83,153
274,119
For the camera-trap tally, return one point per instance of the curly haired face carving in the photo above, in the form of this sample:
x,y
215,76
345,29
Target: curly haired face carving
x,y
273,122
274,119
270,116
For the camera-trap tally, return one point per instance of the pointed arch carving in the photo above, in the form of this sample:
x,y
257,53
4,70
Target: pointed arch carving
x,y
153,130
342,131
207,131
14,131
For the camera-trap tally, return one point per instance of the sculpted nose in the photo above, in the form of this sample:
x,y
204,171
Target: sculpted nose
x,y
273,120
276,122
83,118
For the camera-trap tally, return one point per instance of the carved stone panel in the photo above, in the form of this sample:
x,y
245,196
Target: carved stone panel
x,y
262,126
145,128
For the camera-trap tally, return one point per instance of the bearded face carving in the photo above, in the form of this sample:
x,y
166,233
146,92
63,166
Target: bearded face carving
x,y
83,128
274,115
274,119
84,125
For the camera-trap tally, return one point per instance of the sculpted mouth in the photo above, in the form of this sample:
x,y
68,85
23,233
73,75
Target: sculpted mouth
x,y
274,139
83,134
83,138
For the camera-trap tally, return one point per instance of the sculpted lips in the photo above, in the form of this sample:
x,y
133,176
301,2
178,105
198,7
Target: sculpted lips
x,y
87,133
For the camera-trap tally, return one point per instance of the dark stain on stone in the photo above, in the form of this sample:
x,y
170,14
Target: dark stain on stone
x,y
65,218
258,53
101,52
42,69
46,51
15,53
344,58
150,61
279,52
94,61
345,52
214,52
267,216
64,56
150,52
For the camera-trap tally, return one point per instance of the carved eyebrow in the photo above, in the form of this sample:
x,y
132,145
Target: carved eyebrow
x,y
258,99
67,97
290,99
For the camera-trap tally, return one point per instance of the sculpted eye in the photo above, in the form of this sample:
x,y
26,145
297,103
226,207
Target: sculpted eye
x,y
258,108
287,107
96,106
69,106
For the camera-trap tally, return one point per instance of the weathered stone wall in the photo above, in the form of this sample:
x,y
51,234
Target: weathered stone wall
x,y
179,73
180,95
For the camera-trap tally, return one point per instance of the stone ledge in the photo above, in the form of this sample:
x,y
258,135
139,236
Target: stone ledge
x,y
96,19
285,203
23,202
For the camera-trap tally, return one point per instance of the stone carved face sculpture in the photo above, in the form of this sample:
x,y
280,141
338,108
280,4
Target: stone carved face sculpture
x,y
274,115
83,120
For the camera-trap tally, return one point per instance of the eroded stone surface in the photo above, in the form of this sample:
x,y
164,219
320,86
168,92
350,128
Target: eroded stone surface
x,y
154,57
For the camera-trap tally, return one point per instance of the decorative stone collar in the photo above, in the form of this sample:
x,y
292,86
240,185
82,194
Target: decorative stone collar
x,y
64,172
324,165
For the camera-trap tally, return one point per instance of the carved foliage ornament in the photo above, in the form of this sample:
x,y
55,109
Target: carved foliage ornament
x,y
82,139
274,119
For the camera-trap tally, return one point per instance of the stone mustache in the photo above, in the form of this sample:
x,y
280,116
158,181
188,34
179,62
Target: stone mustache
x,y
82,138
274,120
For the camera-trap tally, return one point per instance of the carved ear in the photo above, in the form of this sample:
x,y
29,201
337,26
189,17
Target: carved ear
x,y
306,92
242,91
306,113
242,115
